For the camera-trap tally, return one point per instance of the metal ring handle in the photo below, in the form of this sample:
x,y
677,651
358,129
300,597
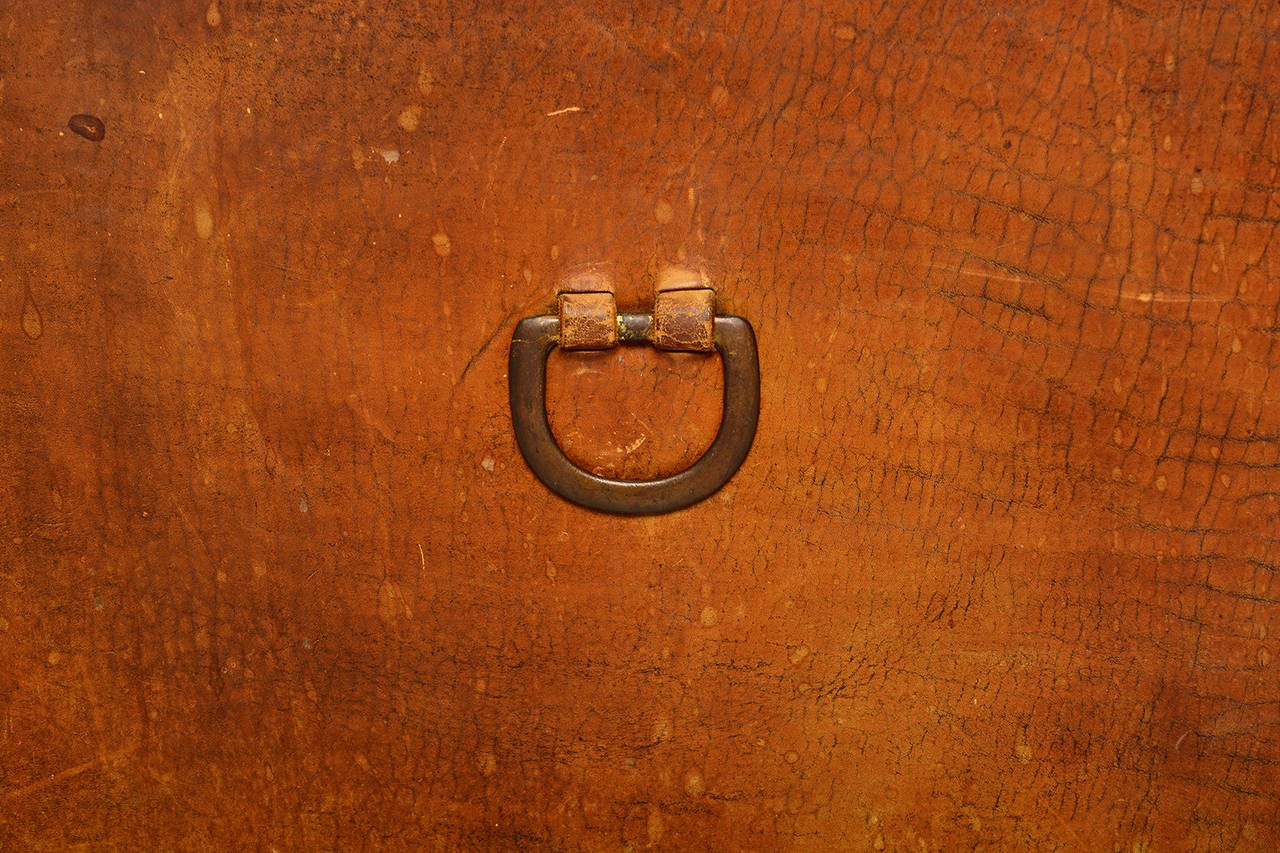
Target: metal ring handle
x,y
532,343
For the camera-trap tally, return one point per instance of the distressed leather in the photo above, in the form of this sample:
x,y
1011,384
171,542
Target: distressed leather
x,y
1000,572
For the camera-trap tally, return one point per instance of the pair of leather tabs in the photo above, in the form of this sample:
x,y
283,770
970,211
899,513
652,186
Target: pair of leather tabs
x,y
683,312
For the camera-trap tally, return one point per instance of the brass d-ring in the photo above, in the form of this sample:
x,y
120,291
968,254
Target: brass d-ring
x,y
532,342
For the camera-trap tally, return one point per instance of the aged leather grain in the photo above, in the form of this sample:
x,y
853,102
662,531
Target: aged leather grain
x,y
1002,570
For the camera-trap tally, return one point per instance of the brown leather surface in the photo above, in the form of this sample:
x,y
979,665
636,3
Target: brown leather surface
x,y
1001,569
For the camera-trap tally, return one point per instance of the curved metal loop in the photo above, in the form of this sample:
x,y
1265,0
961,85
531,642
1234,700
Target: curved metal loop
x,y
532,343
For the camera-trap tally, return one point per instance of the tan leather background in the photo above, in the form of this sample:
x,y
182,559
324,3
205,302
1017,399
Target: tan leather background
x,y
1000,572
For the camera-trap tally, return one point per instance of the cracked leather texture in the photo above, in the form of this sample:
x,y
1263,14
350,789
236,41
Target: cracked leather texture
x,y
1001,571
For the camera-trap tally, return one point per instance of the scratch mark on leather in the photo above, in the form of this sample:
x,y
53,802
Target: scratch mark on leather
x,y
68,773
485,346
